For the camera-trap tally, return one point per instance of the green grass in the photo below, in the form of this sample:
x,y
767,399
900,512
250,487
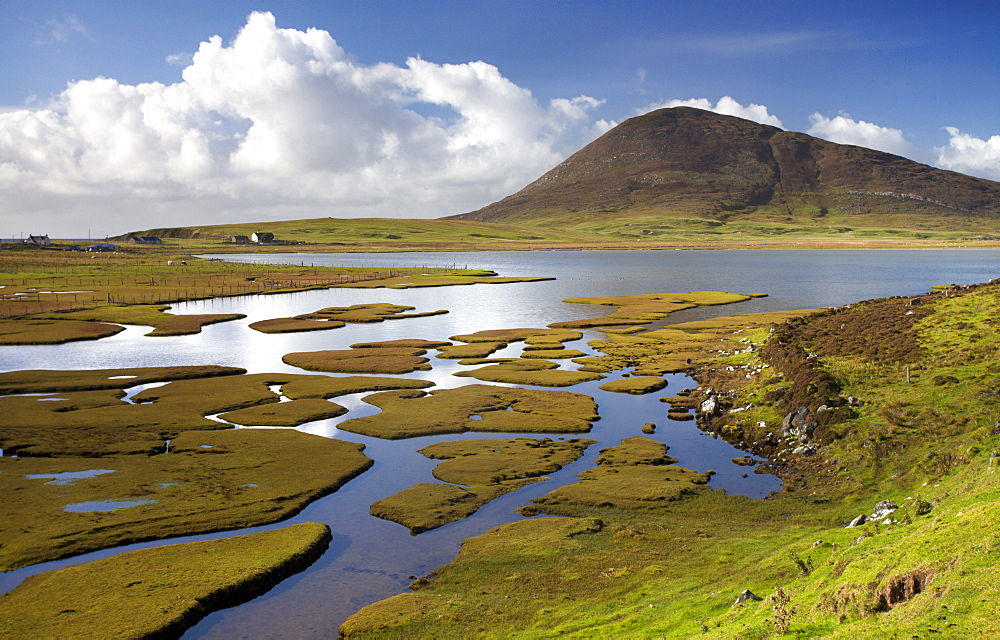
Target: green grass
x,y
58,380
210,481
471,350
330,387
428,505
492,460
157,592
642,225
645,308
391,360
164,324
336,317
488,468
409,414
636,385
42,331
285,414
541,373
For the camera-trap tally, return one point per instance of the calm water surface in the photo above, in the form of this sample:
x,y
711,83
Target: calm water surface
x,y
371,559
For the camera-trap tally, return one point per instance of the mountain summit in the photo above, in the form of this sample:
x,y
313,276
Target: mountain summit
x,y
690,162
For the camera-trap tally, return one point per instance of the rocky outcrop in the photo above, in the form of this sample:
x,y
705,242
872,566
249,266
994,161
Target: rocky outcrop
x,y
798,426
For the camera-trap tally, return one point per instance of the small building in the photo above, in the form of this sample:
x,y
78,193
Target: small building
x,y
144,240
39,241
240,239
260,237
103,247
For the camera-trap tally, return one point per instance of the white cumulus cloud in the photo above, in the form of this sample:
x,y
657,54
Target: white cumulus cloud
x,y
726,106
281,123
969,154
843,129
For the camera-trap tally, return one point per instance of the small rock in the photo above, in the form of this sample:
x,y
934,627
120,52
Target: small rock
x,y
804,450
745,596
883,509
857,522
710,406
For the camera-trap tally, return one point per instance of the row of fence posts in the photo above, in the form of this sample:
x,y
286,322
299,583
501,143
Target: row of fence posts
x,y
252,286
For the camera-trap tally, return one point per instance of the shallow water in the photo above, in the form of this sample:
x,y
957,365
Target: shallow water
x,y
369,558
104,505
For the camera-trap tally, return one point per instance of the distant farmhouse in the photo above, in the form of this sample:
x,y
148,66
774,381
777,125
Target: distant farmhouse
x,y
39,241
259,237
103,247
144,240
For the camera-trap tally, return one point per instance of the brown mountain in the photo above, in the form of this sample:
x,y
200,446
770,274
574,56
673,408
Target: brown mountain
x,y
695,163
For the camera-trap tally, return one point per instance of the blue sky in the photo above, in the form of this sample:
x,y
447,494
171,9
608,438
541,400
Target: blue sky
x,y
389,109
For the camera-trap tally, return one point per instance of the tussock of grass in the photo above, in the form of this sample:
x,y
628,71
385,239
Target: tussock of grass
x,y
471,350
541,373
410,343
540,343
429,505
636,450
680,347
636,385
489,468
210,481
306,386
285,414
552,354
367,313
157,592
41,331
531,336
646,308
294,325
336,317
391,360
408,414
97,423
164,324
56,380
492,460
636,474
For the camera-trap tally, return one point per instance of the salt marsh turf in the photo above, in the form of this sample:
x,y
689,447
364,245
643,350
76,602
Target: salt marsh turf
x,y
920,433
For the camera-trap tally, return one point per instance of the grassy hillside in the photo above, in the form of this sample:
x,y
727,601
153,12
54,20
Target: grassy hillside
x,y
646,227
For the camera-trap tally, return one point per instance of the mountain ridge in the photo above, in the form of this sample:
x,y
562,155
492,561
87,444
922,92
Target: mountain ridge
x,y
686,160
